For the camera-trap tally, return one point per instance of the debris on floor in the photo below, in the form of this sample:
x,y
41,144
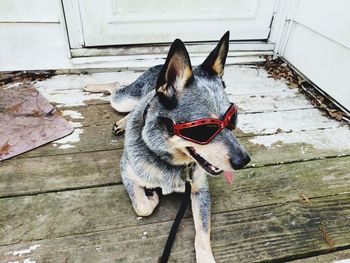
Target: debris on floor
x,y
27,121
279,69
22,77
326,236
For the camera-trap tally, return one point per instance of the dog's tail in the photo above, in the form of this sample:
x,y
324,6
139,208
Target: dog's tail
x,y
110,88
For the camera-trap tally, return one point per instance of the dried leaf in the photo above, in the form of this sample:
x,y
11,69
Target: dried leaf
x,y
336,114
293,85
279,130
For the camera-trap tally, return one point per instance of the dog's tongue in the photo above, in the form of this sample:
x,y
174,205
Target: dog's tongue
x,y
229,176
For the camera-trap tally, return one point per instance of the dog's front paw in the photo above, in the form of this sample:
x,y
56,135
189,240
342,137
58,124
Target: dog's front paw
x,y
119,127
145,204
202,246
204,255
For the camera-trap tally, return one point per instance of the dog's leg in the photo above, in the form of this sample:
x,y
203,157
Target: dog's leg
x,y
110,88
122,103
119,126
143,203
201,215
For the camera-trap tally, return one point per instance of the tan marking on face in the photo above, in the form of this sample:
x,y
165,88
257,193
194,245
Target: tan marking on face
x,y
177,146
215,153
179,157
177,142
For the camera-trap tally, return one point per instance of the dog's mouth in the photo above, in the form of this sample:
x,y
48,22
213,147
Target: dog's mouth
x,y
208,167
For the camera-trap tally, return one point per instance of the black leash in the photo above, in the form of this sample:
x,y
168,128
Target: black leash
x,y
179,216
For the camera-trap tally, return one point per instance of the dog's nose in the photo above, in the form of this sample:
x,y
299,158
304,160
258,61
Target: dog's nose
x,y
240,162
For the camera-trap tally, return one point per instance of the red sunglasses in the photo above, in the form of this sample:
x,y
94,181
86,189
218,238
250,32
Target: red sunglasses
x,y
202,131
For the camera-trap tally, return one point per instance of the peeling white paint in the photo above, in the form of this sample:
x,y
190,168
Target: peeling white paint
x,y
242,82
28,260
67,89
13,85
73,114
245,80
334,139
270,101
24,251
70,140
76,124
72,97
66,146
296,120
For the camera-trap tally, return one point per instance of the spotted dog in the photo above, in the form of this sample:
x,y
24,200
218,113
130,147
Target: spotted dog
x,y
178,115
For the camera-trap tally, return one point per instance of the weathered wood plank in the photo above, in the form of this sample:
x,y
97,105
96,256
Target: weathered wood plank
x,y
335,257
247,103
67,89
95,209
283,121
83,139
277,232
102,113
297,146
273,101
61,172
281,147
251,89
92,115
24,175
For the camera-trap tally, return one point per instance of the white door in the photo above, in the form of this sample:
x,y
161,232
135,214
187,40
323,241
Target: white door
x,y
120,22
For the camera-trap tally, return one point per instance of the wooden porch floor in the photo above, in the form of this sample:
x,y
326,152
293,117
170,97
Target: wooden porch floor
x,y
64,202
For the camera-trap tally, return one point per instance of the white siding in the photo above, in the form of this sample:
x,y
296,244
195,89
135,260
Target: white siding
x,y
319,45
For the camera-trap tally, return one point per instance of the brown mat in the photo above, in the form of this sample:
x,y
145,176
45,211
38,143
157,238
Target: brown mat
x,y
27,121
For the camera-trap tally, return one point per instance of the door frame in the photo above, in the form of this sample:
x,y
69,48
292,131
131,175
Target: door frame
x,y
252,50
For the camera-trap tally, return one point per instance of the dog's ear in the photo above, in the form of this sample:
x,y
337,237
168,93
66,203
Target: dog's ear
x,y
215,62
175,74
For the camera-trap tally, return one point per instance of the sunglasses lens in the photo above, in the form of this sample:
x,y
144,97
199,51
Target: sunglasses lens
x,y
200,133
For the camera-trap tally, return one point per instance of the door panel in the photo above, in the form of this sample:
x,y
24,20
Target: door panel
x,y
120,22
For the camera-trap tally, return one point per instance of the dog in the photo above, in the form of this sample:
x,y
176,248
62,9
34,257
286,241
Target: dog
x,y
178,115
